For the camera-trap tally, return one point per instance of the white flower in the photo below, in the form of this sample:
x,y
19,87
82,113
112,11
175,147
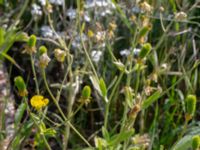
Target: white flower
x,y
96,55
46,31
106,12
87,17
36,10
76,43
99,3
42,2
136,51
71,13
56,2
127,52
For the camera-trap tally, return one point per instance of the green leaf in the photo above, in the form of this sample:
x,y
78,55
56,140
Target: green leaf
x,y
105,133
2,33
103,88
120,65
151,99
11,60
19,113
129,96
95,83
1,2
21,37
116,139
183,144
24,132
50,132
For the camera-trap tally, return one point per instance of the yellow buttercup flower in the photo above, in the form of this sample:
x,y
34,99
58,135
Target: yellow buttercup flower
x,y
38,101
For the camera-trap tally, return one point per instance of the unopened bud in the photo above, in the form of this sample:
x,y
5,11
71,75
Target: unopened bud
x,y
146,48
191,104
195,142
42,50
21,86
32,41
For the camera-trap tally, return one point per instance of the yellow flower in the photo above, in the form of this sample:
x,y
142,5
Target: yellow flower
x,y
39,101
90,34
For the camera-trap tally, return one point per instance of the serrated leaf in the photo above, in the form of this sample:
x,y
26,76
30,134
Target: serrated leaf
x,y
151,99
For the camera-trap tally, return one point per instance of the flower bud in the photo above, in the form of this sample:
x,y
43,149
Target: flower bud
x,y
144,31
146,48
86,92
60,55
85,95
42,50
195,142
32,41
21,86
191,104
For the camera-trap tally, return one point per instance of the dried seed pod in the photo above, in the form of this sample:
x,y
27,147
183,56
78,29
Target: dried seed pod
x,y
44,60
60,55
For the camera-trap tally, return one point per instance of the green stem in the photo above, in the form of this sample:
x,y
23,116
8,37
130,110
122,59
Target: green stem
x,y
60,110
34,74
110,98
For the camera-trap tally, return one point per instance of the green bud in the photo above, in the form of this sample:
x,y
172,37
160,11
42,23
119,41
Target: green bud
x,y
32,41
86,92
42,49
146,48
21,86
144,31
195,142
191,104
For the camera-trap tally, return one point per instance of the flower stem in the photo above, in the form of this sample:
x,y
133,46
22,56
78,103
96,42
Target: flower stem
x,y
60,110
34,74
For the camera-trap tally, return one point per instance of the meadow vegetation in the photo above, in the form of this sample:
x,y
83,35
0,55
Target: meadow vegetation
x,y
101,74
